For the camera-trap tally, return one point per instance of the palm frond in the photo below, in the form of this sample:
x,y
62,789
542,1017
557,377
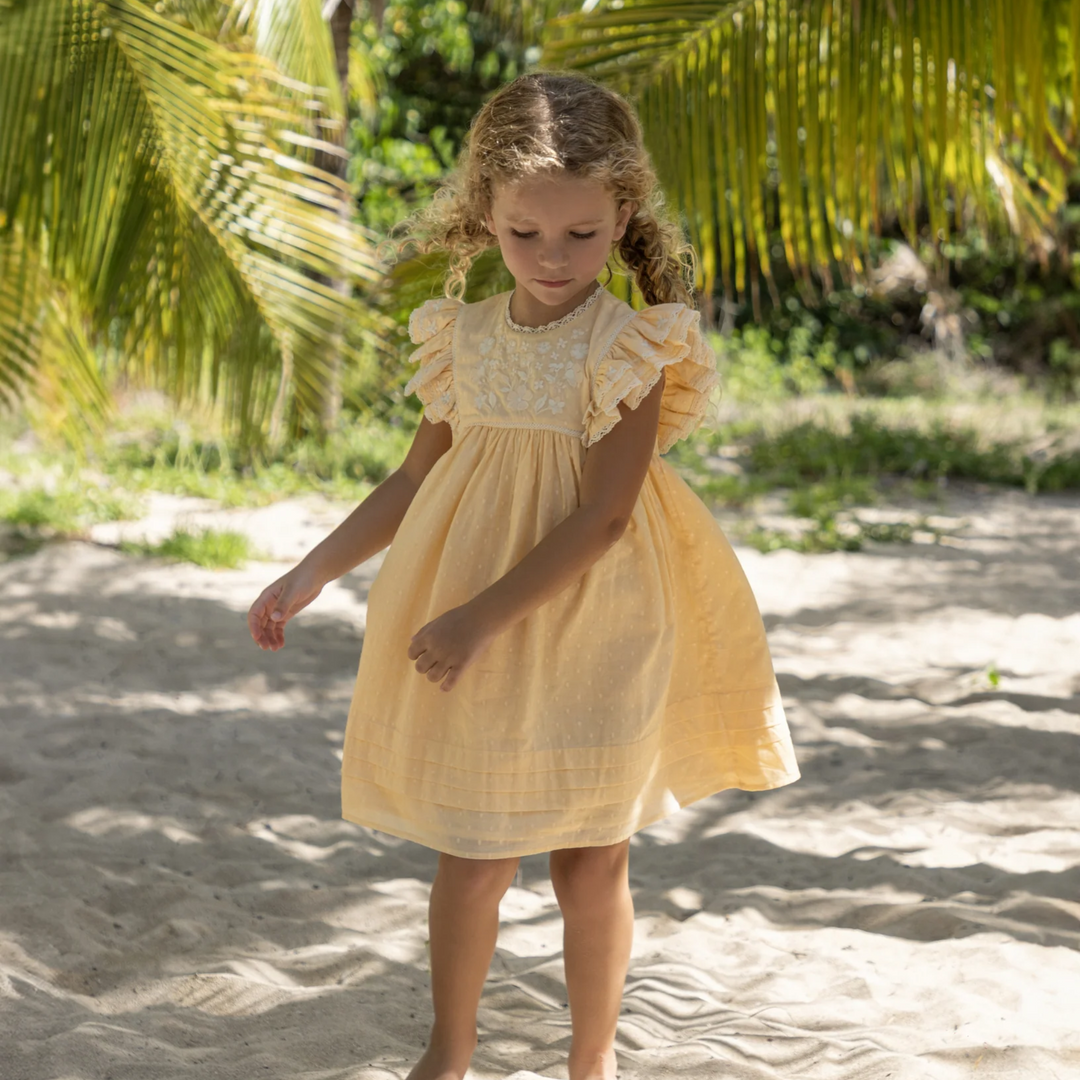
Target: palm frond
x,y
166,181
295,38
819,122
525,19
47,350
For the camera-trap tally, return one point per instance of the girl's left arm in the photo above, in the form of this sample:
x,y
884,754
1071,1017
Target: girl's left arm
x,y
611,480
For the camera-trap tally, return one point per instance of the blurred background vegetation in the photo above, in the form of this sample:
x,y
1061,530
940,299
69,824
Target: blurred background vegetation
x,y
884,194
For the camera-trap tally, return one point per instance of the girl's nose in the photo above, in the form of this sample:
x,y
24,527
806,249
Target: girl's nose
x,y
553,257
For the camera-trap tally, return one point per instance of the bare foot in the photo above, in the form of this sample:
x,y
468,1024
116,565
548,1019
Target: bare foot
x,y
595,1067
436,1064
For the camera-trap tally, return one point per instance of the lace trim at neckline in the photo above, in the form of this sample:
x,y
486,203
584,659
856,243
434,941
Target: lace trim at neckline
x,y
586,303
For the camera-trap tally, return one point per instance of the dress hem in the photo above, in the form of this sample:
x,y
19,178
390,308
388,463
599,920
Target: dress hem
x,y
531,848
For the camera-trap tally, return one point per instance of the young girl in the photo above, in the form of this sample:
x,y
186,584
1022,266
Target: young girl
x,y
561,647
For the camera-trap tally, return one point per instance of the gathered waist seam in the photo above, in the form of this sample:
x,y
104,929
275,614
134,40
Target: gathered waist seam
x,y
463,427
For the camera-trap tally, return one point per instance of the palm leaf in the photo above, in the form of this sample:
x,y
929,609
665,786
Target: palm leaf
x,y
819,121
46,346
165,179
525,19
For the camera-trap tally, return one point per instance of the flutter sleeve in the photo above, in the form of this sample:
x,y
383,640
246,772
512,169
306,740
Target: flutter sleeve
x,y
431,326
664,337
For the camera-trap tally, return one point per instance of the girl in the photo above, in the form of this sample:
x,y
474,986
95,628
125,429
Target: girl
x,y
561,647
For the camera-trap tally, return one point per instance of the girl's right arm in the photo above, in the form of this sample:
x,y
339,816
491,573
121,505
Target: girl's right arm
x,y
365,532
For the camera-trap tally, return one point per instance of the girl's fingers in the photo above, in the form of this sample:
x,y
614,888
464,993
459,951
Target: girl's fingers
x,y
437,671
261,610
276,605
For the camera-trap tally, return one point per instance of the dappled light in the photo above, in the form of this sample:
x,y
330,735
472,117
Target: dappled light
x,y
174,809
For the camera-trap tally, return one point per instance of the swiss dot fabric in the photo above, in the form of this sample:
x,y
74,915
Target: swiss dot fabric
x,y
644,686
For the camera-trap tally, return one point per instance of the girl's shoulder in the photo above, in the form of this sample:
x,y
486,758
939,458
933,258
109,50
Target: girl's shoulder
x,y
616,322
624,328
442,312
631,351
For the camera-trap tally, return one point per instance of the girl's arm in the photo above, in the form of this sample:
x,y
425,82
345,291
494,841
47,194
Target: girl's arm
x,y
372,525
365,532
611,480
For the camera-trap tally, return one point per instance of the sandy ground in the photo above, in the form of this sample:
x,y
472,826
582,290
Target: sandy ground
x,y
180,897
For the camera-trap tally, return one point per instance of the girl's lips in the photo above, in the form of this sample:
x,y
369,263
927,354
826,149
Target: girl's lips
x,y
553,283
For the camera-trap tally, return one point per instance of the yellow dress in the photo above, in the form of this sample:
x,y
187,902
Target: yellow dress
x,y
642,687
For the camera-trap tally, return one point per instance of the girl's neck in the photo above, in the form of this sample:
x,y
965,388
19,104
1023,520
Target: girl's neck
x,y
526,310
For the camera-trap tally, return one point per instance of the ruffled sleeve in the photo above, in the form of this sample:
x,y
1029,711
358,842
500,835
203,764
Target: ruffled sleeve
x,y
664,337
431,326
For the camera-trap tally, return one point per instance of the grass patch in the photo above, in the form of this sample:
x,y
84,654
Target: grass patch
x,y
183,454
64,510
48,492
216,549
837,533
830,455
182,460
817,459
872,449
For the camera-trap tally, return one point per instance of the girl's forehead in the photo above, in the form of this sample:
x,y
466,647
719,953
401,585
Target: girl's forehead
x,y
553,196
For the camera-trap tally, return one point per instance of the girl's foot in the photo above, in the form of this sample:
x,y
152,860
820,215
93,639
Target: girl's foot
x,y
437,1064
593,1066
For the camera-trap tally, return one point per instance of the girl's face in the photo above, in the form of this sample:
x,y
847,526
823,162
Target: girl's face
x,y
555,234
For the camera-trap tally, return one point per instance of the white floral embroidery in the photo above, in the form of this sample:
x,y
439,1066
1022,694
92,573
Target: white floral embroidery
x,y
518,397
430,317
521,375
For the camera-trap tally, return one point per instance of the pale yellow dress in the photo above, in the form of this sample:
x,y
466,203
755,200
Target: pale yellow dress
x,y
642,687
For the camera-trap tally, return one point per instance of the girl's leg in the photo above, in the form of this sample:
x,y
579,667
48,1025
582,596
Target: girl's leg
x,y
463,922
593,890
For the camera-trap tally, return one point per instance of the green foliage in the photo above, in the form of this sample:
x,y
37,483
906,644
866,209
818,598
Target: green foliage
x,y
1008,313
828,497
757,365
435,64
215,549
1024,315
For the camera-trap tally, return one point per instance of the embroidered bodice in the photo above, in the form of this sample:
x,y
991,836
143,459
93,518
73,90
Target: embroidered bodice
x,y
478,368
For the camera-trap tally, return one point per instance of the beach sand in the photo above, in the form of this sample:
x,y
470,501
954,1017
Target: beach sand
x,y
180,897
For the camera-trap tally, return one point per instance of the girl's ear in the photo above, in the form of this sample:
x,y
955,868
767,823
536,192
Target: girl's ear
x,y
626,211
489,221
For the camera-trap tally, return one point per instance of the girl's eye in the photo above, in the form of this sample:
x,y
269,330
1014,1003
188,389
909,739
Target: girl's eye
x,y
529,235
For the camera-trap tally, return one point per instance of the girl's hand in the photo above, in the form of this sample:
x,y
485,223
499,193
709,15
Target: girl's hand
x,y
278,603
446,646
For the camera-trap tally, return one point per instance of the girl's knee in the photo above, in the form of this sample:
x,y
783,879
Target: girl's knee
x,y
477,878
583,875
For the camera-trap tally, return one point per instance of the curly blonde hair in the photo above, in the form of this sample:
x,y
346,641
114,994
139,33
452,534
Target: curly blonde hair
x,y
548,122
